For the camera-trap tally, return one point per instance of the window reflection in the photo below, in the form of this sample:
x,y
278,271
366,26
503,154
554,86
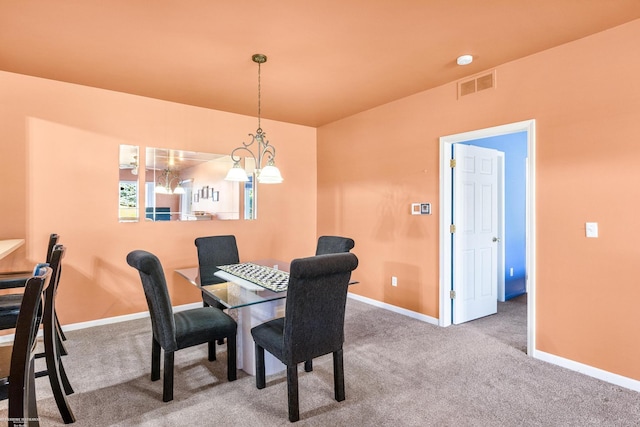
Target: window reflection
x,y
128,183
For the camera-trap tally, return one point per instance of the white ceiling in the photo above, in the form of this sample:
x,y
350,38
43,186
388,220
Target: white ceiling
x,y
327,59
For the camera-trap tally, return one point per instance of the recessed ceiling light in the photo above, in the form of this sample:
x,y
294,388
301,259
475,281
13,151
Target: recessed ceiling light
x,y
464,59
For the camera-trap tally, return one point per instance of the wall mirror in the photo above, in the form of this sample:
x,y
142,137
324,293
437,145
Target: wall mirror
x,y
128,183
189,186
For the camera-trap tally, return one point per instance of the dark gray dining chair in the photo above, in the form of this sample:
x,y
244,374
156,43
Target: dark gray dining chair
x,y
175,331
330,245
334,245
212,252
313,324
17,373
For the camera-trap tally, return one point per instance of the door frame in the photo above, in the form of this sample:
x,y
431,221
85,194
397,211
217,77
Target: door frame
x,y
446,143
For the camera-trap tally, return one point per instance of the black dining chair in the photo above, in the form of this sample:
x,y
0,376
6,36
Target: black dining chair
x,y
212,252
17,374
58,379
10,303
175,331
313,324
330,245
334,245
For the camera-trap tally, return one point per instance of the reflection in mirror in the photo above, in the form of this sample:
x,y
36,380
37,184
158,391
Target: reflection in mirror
x,y
128,182
250,190
189,186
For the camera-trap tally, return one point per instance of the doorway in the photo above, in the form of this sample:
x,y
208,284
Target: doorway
x,y
446,187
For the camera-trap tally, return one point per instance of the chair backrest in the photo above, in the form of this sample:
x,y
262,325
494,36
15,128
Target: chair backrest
x,y
214,251
315,307
24,343
55,263
53,240
334,245
157,295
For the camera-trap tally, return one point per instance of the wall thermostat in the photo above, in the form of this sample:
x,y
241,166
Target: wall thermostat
x,y
420,208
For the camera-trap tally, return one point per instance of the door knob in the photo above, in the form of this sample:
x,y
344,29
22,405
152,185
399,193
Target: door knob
x,y
496,239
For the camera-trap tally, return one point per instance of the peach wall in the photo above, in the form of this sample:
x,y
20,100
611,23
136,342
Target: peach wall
x,y
59,147
585,97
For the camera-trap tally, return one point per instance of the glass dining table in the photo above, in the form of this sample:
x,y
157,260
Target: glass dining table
x,y
236,292
249,304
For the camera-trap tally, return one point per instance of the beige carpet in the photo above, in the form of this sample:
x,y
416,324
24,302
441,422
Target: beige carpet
x,y
399,372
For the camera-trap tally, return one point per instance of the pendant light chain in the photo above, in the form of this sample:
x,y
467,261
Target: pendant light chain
x,y
259,110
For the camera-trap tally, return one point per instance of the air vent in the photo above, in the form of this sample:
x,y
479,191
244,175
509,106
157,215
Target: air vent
x,y
476,84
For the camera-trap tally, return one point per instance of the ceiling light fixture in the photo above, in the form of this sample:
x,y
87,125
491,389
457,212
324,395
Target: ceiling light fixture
x,y
134,165
464,60
269,174
163,186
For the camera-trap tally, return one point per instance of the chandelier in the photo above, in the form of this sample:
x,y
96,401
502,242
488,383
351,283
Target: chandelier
x,y
165,183
269,174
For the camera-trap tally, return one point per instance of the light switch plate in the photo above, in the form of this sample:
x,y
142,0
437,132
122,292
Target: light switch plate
x,y
592,229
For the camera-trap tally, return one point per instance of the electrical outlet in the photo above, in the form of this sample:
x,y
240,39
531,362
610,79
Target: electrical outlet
x,y
394,281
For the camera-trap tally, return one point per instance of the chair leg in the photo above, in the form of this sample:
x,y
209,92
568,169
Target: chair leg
x,y
61,347
32,410
212,350
167,385
338,375
63,337
260,374
54,368
155,360
68,389
232,372
221,340
308,365
292,393
22,390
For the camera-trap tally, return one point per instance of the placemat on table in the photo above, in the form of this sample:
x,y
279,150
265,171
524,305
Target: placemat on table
x,y
267,277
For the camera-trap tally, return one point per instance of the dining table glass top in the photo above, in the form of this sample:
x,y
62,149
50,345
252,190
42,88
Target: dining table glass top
x,y
234,291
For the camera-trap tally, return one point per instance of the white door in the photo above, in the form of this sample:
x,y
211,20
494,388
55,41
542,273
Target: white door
x,y
476,236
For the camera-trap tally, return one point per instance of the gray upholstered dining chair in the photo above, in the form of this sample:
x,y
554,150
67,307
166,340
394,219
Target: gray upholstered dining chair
x,y
330,245
334,245
313,325
214,251
175,331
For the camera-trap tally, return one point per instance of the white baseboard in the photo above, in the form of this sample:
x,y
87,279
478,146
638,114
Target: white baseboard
x,y
400,310
588,370
107,321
